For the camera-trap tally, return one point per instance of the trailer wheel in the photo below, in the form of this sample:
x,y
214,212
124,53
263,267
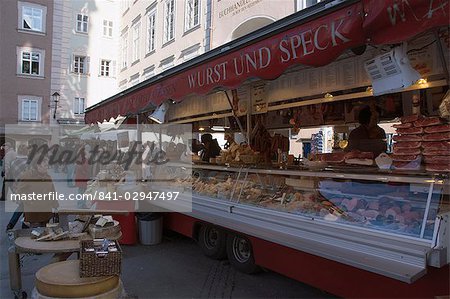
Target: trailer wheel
x,y
240,254
212,241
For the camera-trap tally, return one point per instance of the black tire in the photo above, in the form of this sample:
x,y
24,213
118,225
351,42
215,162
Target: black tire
x,y
240,254
212,240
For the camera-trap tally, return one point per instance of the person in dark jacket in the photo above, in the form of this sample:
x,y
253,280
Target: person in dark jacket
x,y
212,148
368,137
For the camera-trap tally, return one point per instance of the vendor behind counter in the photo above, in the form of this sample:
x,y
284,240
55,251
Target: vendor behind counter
x,y
368,137
211,147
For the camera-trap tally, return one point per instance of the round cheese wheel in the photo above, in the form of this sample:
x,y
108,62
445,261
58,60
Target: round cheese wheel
x,y
62,280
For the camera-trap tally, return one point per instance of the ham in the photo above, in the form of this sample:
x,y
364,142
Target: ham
x,y
443,145
333,157
407,138
437,159
406,151
409,131
436,136
427,121
437,167
438,129
403,126
410,118
404,158
428,152
408,145
359,155
358,161
349,204
413,165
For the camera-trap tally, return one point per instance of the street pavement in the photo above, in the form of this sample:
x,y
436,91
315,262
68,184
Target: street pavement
x,y
176,268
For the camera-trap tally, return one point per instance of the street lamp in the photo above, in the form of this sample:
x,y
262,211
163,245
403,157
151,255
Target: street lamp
x,y
55,97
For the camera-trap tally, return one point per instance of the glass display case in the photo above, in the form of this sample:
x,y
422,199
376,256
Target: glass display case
x,y
389,203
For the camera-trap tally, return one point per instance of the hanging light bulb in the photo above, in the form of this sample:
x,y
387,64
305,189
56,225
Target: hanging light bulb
x,y
328,96
421,81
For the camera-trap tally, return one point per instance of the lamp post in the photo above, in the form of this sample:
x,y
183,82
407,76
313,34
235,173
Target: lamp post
x,y
55,97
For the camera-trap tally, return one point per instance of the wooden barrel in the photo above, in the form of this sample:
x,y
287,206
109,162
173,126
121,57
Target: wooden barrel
x,y
62,280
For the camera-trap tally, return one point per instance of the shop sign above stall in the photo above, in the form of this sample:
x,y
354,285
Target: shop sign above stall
x,y
396,21
315,43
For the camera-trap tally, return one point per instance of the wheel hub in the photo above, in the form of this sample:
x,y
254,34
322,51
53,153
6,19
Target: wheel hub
x,y
241,249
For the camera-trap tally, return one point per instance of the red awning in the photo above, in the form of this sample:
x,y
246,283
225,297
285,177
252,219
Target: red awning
x,y
315,43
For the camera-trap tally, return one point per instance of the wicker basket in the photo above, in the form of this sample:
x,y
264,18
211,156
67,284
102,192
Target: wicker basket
x,y
93,265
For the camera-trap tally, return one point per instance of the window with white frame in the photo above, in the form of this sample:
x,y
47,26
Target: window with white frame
x,y
30,62
169,20
192,17
105,68
151,30
80,64
124,54
136,36
78,106
107,28
82,23
30,110
32,16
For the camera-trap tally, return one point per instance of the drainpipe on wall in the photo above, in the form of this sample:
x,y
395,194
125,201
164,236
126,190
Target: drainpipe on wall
x,y
208,27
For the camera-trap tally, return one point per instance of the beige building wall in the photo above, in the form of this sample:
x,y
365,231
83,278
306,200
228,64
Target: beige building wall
x,y
185,45
68,42
14,86
235,18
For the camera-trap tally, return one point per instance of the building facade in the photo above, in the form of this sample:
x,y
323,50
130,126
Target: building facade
x,y
158,34
85,51
26,52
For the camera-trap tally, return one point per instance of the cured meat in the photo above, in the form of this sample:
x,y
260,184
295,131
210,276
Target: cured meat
x,y
410,118
359,155
400,165
437,136
407,138
437,167
333,157
404,158
437,159
411,144
438,129
409,131
406,151
443,145
427,121
432,152
359,161
403,126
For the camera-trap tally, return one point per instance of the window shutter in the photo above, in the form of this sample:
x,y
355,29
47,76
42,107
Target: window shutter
x,y
72,63
87,65
113,69
100,67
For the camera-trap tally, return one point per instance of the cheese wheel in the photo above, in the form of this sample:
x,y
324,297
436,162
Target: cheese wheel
x,y
62,280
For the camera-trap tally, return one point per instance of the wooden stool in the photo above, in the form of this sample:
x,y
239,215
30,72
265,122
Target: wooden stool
x,y
62,280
